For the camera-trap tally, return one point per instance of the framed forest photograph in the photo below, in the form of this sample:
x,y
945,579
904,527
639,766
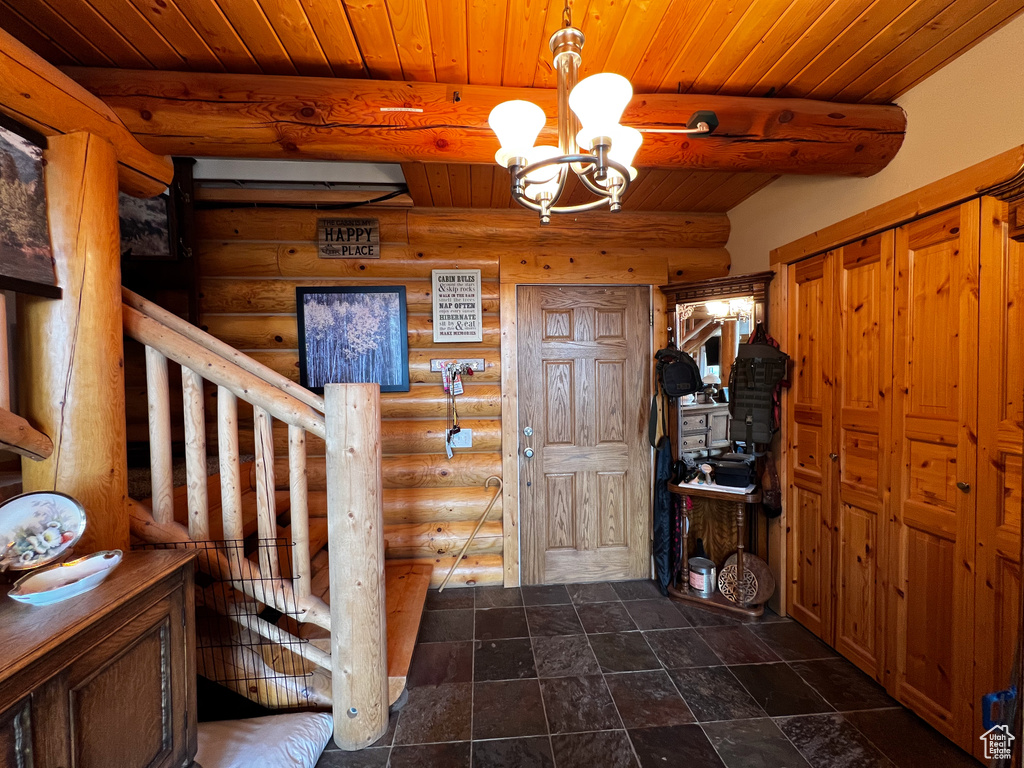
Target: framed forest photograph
x,y
353,335
26,259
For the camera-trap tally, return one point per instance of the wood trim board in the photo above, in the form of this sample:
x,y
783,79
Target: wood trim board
x,y
944,193
509,434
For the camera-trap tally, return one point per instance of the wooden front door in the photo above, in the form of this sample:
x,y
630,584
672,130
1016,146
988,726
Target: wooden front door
x,y
584,393
935,408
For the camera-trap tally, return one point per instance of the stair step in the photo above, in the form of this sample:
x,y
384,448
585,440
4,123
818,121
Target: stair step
x,y
405,588
406,593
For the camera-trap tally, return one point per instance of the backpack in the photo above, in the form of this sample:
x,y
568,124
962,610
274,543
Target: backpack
x,y
676,374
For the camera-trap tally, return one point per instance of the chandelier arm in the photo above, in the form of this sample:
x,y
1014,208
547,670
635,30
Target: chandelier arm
x,y
586,160
581,207
598,190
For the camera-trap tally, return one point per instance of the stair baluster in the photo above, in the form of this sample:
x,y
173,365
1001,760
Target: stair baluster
x,y
160,465
195,455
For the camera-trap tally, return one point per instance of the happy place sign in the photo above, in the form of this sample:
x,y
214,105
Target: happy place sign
x,y
348,238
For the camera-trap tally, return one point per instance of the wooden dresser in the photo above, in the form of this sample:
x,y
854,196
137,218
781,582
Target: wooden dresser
x,y
107,679
702,427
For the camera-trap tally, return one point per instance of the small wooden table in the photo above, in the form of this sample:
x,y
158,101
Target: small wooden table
x,y
717,601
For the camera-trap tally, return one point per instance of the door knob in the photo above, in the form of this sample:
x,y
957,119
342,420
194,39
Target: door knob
x,y
833,456
528,453
965,487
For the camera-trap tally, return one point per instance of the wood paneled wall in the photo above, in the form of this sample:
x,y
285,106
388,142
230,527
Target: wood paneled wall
x,y
252,259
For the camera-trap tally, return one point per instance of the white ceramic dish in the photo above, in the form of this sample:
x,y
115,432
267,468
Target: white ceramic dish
x,y
41,527
64,580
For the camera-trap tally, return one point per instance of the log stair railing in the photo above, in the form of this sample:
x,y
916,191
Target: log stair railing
x,y
352,633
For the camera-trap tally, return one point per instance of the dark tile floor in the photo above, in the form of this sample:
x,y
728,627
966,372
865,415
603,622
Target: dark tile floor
x,y
609,675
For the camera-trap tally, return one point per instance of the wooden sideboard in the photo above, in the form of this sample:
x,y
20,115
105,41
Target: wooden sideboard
x,y
107,679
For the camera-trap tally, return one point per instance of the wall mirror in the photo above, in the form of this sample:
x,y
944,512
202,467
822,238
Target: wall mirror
x,y
709,319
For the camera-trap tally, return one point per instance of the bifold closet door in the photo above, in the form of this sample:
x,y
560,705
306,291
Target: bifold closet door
x,y
935,406
809,433
861,427
1000,421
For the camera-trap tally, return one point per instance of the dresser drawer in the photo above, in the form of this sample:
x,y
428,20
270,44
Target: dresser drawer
x,y
693,442
694,423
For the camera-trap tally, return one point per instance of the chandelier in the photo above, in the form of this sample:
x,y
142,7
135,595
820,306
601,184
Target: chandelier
x,y
592,143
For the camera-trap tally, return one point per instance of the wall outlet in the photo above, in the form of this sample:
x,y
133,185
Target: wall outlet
x,y
463,439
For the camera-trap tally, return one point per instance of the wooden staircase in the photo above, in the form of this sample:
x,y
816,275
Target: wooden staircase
x,y
405,584
281,557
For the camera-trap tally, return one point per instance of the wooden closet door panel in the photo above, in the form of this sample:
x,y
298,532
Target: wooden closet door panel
x,y
810,438
935,361
1000,434
863,391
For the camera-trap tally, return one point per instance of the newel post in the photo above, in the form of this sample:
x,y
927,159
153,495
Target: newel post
x,y
356,540
72,350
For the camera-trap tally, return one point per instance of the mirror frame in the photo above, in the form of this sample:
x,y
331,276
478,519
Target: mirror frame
x,y
755,285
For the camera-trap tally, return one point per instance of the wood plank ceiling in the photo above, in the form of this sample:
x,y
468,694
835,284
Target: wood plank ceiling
x,y
843,50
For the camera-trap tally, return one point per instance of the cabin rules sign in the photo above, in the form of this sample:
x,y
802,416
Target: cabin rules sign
x,y
348,238
457,314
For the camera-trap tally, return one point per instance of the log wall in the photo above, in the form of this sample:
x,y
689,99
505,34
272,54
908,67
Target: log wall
x,y
251,260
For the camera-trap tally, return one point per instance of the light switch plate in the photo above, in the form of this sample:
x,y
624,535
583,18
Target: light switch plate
x,y
476,363
463,439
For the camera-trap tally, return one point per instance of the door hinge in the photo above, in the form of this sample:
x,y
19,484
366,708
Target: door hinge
x,y
652,318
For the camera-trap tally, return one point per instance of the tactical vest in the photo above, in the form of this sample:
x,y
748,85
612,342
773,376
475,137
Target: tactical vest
x,y
753,381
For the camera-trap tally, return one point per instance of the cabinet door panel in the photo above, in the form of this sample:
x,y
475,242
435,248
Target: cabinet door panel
x,y
16,736
809,519
934,434
125,685
862,412
1000,435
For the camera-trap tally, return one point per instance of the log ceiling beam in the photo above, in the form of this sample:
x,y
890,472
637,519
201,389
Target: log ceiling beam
x,y
41,97
227,115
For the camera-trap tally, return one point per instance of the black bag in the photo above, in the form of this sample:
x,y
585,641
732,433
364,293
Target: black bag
x,y
676,375
735,470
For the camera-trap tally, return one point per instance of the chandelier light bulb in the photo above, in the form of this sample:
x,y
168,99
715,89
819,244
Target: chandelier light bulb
x,y
599,101
535,155
517,124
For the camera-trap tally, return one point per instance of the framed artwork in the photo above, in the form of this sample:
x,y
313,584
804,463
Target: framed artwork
x,y
353,335
26,259
145,226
